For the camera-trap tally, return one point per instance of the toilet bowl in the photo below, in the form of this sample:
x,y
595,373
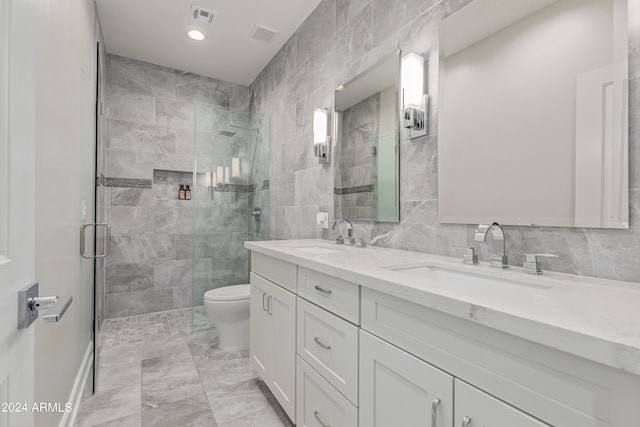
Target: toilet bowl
x,y
228,309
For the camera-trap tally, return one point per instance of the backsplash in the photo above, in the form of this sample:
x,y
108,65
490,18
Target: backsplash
x,y
343,38
151,118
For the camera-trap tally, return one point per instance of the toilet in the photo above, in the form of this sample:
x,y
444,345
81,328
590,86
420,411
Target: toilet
x,y
228,309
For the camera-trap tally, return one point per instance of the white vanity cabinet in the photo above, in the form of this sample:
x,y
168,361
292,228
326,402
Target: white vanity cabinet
x,y
342,354
398,389
273,339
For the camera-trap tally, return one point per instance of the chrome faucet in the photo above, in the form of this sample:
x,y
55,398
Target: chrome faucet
x,y
340,240
497,259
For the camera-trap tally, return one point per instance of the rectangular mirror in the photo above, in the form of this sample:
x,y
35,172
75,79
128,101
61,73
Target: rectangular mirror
x,y
366,135
533,114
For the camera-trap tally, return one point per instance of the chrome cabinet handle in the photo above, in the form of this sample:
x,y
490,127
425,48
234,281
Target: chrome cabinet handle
x,y
322,423
434,412
269,305
324,291
321,344
107,245
264,301
466,422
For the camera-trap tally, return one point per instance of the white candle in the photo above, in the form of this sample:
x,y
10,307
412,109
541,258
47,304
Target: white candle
x,y
220,175
235,167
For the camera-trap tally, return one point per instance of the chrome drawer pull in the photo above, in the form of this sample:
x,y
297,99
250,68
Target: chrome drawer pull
x,y
269,305
264,301
317,415
466,422
321,344
324,291
434,412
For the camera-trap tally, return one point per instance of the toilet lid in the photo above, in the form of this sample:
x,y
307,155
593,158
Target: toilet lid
x,y
228,293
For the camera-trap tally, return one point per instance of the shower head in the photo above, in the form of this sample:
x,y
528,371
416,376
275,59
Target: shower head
x,y
226,132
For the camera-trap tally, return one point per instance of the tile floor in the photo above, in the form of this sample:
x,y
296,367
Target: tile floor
x,y
154,371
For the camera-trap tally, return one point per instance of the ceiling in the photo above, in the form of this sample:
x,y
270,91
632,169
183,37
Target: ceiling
x,y
155,31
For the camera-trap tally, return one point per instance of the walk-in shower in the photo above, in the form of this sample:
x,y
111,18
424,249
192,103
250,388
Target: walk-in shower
x,y
231,178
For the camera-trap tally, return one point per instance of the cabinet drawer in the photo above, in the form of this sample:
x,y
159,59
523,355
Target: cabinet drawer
x,y
484,410
280,272
330,345
333,294
319,404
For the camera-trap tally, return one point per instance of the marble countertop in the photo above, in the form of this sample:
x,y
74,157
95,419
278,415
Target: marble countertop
x,y
597,319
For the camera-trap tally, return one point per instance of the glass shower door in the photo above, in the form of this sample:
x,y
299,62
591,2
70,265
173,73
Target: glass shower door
x,y
231,198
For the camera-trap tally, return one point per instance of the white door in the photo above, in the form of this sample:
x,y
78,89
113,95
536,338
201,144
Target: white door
x,y
17,206
398,389
282,309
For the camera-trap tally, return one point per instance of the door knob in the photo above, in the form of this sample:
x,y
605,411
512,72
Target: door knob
x,y
30,303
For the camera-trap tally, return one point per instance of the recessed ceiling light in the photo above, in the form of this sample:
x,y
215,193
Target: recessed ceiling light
x,y
196,35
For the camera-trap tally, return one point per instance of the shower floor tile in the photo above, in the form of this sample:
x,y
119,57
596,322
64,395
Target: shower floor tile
x,y
154,371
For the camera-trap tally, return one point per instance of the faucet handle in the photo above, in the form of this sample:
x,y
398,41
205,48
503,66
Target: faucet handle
x,y
531,262
340,240
470,256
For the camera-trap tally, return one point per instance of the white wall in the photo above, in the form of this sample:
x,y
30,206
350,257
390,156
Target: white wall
x,y
65,162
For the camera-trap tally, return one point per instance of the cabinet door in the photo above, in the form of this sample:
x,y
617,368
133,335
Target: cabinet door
x,y
475,408
282,375
397,389
259,345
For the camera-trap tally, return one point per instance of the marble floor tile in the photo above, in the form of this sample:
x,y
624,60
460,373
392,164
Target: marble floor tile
x,y
237,405
169,378
133,420
109,405
190,412
158,370
264,418
118,376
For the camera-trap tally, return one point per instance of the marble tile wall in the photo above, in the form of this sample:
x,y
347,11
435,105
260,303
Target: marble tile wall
x,y
360,128
151,123
343,38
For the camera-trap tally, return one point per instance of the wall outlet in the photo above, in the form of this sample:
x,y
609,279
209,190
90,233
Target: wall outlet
x,y
322,218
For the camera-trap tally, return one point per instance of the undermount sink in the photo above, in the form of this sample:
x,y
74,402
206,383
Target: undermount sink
x,y
454,277
317,250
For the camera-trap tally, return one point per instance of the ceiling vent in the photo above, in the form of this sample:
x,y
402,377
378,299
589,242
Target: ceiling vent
x,y
202,15
265,34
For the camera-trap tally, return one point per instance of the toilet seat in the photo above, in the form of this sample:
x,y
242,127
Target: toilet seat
x,y
228,293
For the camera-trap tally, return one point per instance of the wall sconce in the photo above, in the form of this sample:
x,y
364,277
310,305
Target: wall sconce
x,y
414,100
226,174
321,137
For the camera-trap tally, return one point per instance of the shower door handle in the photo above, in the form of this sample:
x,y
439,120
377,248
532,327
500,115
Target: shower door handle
x,y
107,245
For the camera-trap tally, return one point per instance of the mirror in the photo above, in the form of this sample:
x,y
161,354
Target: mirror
x,y
366,135
533,114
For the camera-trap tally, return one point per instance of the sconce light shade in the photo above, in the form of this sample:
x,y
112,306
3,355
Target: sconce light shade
x,y
226,174
413,97
235,167
321,134
214,179
207,179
